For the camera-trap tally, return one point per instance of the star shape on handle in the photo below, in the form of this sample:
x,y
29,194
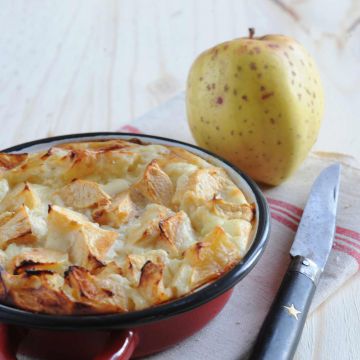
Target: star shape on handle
x,y
292,311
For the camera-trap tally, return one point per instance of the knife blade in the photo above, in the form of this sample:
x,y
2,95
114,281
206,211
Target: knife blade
x,y
283,325
319,218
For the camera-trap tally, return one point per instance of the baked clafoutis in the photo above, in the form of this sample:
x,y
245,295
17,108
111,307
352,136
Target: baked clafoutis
x,y
115,226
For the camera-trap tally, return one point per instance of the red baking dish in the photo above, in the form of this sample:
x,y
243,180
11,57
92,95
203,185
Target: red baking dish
x,y
139,333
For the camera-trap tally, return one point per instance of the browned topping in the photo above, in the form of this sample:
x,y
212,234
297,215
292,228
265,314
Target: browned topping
x,y
105,200
10,161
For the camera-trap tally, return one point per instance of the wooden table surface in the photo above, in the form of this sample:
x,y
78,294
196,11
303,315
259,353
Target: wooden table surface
x,y
90,65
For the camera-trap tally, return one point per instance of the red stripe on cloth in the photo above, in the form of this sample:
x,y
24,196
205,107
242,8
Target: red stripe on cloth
x,y
339,247
350,242
298,211
295,218
345,249
130,128
284,221
339,230
285,205
347,232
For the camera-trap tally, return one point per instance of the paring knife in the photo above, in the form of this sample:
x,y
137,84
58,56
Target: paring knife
x,y
282,328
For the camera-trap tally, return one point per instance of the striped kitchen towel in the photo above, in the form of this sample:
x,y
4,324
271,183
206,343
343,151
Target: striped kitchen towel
x,y
239,322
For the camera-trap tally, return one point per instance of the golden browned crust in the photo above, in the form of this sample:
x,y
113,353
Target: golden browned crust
x,y
89,296
82,194
120,210
9,161
115,226
36,291
38,259
154,187
175,233
16,228
21,194
151,282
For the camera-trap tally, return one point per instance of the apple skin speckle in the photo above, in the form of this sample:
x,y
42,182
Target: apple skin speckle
x,y
267,95
253,66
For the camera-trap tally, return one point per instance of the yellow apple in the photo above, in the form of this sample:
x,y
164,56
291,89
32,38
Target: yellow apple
x,y
258,102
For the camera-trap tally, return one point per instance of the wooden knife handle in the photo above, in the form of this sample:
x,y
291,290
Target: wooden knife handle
x,y
282,328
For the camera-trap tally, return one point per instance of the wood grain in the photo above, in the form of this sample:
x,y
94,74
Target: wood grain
x,y
89,65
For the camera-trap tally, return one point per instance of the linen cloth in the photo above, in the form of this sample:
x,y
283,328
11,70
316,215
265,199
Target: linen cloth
x,y
231,334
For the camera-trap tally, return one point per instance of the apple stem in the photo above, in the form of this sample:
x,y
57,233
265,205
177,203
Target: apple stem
x,y
251,32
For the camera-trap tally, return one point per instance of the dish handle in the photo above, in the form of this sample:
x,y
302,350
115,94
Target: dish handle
x,y
33,344
120,346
